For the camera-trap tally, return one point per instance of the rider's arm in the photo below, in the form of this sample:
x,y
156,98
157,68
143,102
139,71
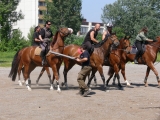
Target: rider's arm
x,y
104,34
92,37
42,33
144,38
36,37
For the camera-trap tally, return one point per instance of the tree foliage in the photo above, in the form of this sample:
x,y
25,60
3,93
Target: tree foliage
x,y
132,15
30,35
16,42
64,13
8,16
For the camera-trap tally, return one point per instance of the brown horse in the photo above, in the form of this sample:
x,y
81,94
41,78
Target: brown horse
x,y
115,56
148,58
30,60
21,68
96,59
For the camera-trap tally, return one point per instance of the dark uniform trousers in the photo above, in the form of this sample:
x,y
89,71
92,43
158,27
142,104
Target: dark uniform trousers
x,y
82,76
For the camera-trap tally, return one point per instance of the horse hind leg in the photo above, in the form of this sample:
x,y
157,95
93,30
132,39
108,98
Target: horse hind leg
x,y
114,80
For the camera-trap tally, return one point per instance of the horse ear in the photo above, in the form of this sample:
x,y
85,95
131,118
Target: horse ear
x,y
114,33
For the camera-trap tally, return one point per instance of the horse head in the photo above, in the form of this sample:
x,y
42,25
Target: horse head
x,y
126,44
64,32
114,39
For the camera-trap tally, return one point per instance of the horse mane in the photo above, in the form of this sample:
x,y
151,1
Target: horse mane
x,y
101,42
54,39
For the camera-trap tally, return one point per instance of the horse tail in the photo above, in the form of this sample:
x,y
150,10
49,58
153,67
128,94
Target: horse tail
x,y
14,67
110,71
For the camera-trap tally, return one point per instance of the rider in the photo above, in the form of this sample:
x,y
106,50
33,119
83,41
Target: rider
x,y
91,37
107,32
36,41
45,35
140,38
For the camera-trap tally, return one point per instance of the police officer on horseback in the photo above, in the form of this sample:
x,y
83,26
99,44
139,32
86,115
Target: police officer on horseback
x,y
140,39
45,35
108,31
91,38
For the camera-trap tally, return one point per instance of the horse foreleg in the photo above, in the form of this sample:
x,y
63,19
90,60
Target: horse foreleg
x,y
123,74
100,70
90,79
68,64
56,75
26,77
95,81
111,75
146,77
114,79
151,65
48,73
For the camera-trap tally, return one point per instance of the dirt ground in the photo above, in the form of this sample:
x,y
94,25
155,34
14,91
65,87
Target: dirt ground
x,y
133,103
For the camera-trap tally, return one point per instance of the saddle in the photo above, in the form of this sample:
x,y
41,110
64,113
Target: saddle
x,y
134,49
38,51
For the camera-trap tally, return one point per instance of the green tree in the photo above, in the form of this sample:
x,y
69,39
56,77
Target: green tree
x,y
17,41
132,15
8,15
64,13
30,35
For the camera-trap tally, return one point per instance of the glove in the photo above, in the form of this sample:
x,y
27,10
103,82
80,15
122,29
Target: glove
x,y
154,40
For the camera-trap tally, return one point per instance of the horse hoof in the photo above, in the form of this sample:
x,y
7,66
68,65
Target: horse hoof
x,y
29,89
146,85
113,83
159,84
121,88
20,84
23,82
59,91
127,83
62,84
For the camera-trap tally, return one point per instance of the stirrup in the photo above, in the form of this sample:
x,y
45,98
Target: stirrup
x,y
135,61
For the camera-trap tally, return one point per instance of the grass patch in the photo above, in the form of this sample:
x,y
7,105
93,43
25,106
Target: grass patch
x,y
6,58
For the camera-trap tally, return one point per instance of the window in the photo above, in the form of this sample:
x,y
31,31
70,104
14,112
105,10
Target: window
x,y
40,21
40,12
84,30
42,3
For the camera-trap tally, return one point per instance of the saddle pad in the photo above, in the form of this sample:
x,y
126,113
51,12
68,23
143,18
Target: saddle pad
x,y
133,50
37,51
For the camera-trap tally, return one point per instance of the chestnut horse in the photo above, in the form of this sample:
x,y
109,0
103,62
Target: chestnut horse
x,y
148,58
21,68
96,59
114,58
30,61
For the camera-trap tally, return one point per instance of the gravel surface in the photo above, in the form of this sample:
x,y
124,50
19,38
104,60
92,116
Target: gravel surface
x,y
133,103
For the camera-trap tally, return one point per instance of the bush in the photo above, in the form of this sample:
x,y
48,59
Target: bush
x,y
16,42
73,39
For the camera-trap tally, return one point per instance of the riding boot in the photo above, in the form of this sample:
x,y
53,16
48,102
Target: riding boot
x,y
43,57
136,58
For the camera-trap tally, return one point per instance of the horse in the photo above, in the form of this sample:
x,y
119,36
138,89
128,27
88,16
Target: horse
x,y
21,68
96,59
114,58
31,61
148,58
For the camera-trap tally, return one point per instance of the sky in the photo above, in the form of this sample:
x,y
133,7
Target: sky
x,y
92,9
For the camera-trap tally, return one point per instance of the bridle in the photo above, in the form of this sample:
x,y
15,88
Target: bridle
x,y
65,34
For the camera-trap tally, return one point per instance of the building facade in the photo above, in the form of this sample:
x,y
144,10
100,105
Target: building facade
x,y
33,16
86,26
